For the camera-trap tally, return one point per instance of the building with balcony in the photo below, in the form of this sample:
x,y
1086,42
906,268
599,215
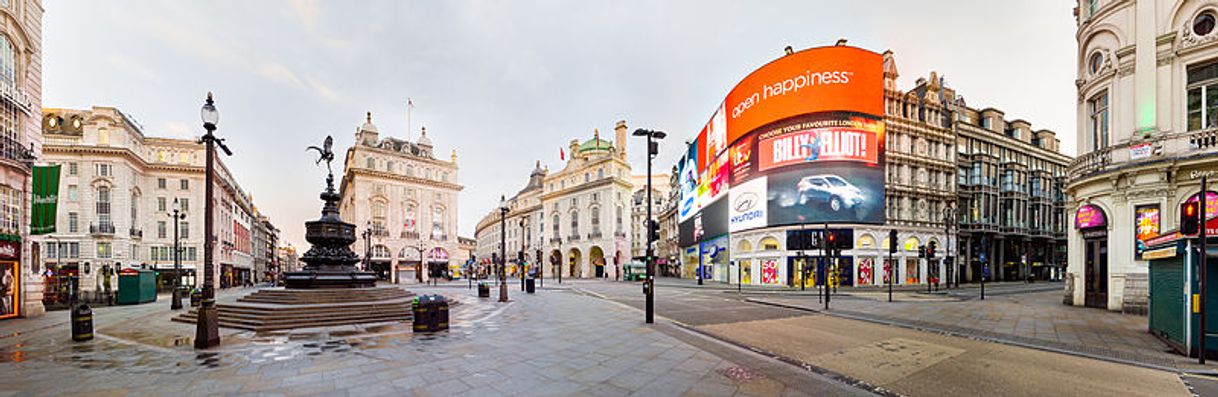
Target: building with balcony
x,y
660,190
576,217
406,199
1147,131
20,144
117,190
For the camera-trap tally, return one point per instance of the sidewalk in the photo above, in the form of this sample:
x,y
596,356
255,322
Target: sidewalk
x,y
1036,320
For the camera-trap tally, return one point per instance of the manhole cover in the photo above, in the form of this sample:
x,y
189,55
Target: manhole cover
x,y
740,374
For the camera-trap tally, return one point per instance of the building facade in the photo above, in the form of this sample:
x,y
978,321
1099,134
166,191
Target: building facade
x,y
118,189
1147,132
963,179
575,218
20,146
638,213
405,199
265,240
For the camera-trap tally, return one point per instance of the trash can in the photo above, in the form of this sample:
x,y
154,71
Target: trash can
x,y
484,290
440,305
420,309
530,285
82,323
196,297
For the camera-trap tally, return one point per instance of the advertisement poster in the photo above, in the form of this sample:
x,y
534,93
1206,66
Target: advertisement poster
x,y
1090,216
769,271
1146,226
912,276
854,139
10,284
741,159
45,199
714,181
715,258
746,271
689,184
865,268
747,206
887,271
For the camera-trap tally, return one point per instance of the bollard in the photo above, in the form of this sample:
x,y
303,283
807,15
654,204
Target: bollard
x,y
82,323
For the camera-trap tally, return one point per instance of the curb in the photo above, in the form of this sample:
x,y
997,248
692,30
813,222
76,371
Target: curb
x,y
1209,372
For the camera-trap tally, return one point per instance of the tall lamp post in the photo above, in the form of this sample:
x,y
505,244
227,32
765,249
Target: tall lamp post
x,y
176,302
367,235
653,149
207,331
949,216
520,257
503,211
541,268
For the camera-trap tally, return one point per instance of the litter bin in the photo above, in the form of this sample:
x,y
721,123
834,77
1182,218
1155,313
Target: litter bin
x,y
196,297
421,309
82,323
530,285
440,311
484,290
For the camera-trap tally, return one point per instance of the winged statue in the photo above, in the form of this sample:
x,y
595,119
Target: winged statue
x,y
325,152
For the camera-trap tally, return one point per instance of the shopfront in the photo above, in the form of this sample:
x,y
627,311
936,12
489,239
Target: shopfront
x,y
1092,224
10,279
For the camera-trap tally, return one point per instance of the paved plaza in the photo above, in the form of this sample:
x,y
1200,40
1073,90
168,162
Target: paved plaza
x,y
556,342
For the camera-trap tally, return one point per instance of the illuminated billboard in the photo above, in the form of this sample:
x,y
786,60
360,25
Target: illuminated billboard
x,y
799,140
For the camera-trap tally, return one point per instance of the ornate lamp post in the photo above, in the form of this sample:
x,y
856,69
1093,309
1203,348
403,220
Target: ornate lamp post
x,y
949,216
207,332
520,257
653,149
367,235
503,211
176,302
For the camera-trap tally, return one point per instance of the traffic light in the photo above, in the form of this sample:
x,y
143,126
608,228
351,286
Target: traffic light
x,y
930,250
1190,219
892,241
653,230
921,251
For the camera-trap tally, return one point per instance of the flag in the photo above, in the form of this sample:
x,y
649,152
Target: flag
x,y
409,103
45,200
562,155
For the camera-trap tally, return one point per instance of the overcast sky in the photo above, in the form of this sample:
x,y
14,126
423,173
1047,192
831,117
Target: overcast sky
x,y
506,83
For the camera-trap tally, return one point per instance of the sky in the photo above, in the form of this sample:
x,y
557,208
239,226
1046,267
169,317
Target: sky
x,y
504,83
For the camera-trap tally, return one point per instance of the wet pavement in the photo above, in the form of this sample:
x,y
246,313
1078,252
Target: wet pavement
x,y
556,342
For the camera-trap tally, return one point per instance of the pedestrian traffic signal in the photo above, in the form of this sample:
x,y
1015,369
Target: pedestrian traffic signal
x,y
930,250
1190,219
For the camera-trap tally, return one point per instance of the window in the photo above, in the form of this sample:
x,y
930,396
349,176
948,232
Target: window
x,y
184,203
389,166
575,223
103,138
619,218
184,184
409,170
8,62
135,201
1203,97
103,206
600,174
1203,24
73,222
103,170
160,183
587,177
371,163
104,250
161,229
73,193
1095,62
1093,6
1097,124
555,224
437,224
183,230
160,204
596,220
73,169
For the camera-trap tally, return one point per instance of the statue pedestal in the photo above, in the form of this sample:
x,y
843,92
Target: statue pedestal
x,y
329,279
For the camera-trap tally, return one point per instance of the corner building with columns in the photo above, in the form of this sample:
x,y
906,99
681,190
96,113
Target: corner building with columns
x,y
1147,131
403,202
576,219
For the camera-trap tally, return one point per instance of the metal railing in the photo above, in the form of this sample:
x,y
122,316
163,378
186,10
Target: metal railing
x,y
136,233
101,228
14,150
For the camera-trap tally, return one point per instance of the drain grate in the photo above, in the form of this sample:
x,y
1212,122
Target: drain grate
x,y
741,374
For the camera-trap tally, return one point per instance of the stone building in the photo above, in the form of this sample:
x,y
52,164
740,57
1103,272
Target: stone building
x,y
575,217
1147,130
638,212
406,197
20,146
118,188
265,240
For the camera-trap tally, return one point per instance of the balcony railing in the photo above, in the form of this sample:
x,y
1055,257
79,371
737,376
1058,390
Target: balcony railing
x,y
555,240
573,238
135,233
410,235
595,235
380,233
12,149
101,228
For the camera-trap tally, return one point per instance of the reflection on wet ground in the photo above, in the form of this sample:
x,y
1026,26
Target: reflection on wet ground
x,y
166,348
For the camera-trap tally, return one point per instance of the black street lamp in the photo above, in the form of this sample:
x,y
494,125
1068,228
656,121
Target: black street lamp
x,y
559,271
367,235
207,331
541,268
176,302
418,271
503,211
520,257
653,149
949,217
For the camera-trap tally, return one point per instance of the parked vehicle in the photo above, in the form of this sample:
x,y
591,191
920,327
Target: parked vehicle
x,y
634,271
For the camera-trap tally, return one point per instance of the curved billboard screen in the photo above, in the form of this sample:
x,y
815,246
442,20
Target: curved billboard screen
x,y
800,140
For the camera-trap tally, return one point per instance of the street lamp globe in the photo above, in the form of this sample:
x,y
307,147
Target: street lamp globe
x,y
177,207
209,114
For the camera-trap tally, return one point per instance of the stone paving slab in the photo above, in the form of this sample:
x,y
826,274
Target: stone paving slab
x,y
550,343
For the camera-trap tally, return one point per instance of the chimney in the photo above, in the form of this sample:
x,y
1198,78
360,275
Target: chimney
x,y
574,149
620,138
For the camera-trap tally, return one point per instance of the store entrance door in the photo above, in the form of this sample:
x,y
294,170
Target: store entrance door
x,y
1095,278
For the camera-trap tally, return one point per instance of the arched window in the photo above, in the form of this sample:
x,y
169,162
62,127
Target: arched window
x,y
8,62
769,244
744,246
380,252
437,223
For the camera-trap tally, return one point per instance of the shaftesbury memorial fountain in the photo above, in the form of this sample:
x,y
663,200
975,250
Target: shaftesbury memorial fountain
x,y
329,290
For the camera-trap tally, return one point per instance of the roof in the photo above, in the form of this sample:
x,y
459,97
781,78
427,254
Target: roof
x,y
595,144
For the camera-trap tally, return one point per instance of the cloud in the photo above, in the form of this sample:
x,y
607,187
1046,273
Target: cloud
x,y
309,11
175,129
322,90
280,73
124,63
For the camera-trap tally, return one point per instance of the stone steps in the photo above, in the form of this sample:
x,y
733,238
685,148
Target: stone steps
x,y
280,309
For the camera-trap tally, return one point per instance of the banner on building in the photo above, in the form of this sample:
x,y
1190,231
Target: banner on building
x,y
45,201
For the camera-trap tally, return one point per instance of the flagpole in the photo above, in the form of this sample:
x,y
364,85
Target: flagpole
x,y
409,106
